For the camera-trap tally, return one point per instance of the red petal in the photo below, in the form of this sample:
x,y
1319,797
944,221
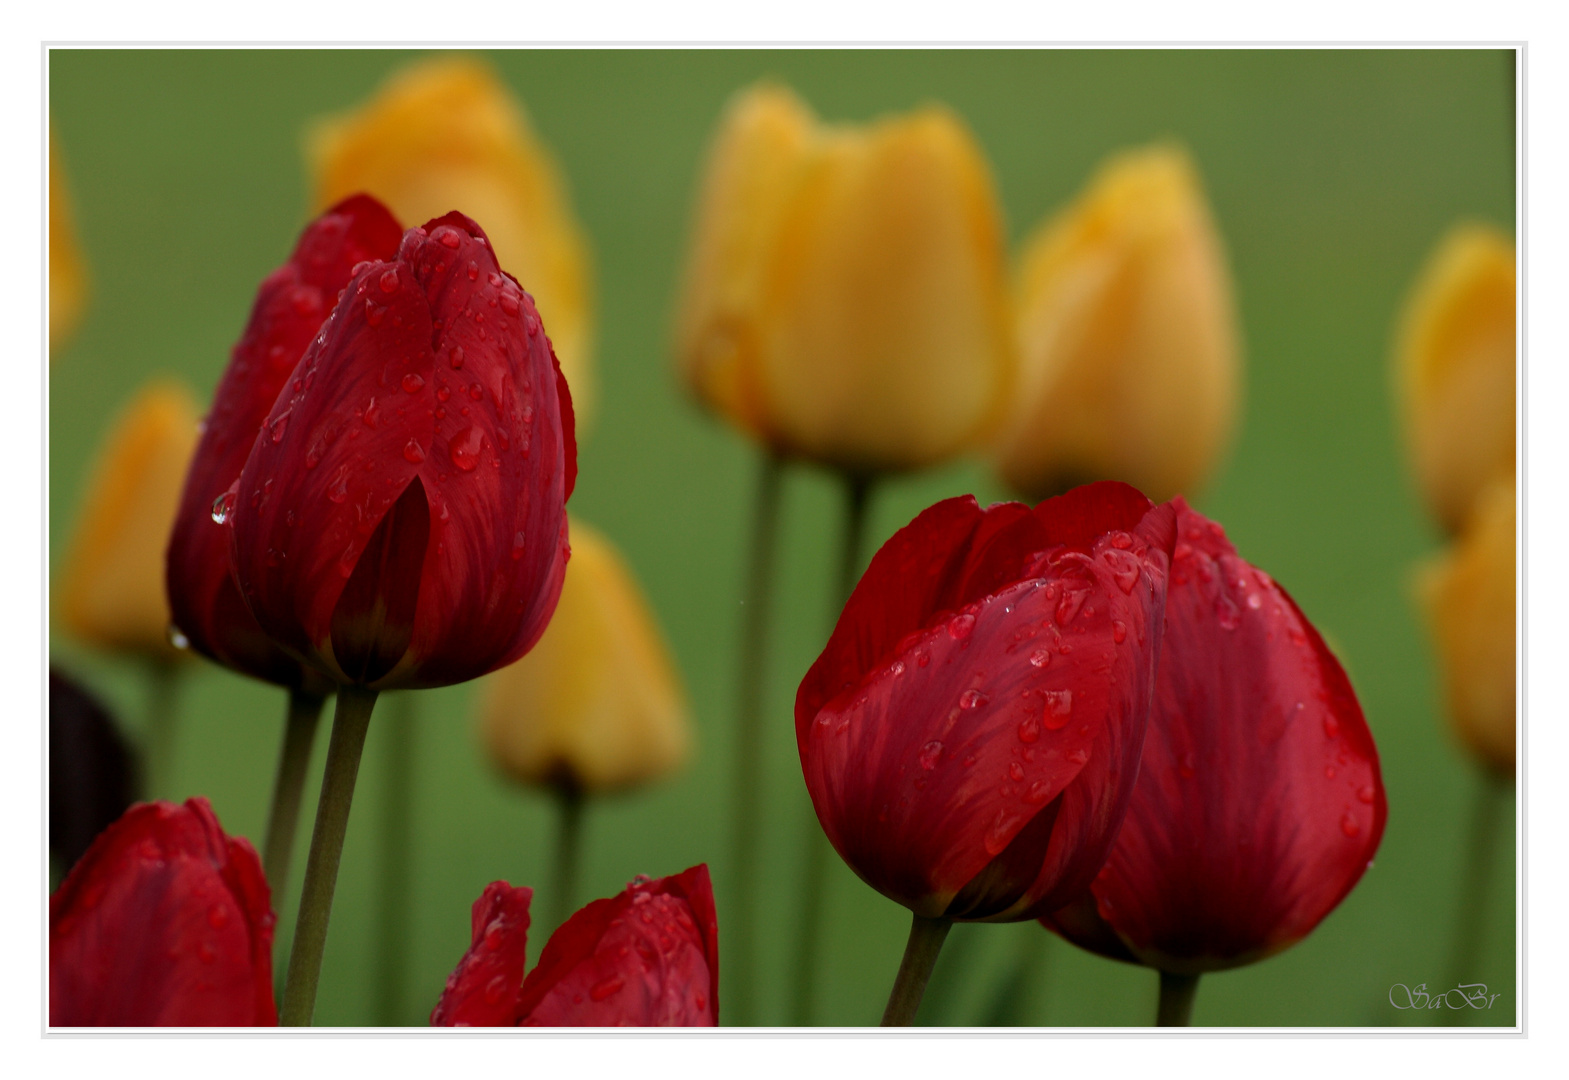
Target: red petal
x,y
288,312
647,957
926,769
1259,801
484,988
164,922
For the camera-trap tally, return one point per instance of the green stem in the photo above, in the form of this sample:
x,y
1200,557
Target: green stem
x,y
950,976
350,722
299,732
814,873
920,956
569,798
397,842
747,797
1176,999
162,723
1476,876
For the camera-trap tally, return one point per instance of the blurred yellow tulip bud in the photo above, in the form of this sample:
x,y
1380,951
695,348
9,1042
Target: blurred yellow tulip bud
x,y
1129,358
597,704
445,134
67,273
1455,370
1469,596
110,583
845,295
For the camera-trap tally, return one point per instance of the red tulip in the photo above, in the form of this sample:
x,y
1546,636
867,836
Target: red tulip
x,y
288,313
164,922
1259,801
400,521
971,733
647,957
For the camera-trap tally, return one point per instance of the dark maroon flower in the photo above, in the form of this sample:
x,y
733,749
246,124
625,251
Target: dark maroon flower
x,y
400,521
647,957
290,307
971,733
1259,801
92,771
165,921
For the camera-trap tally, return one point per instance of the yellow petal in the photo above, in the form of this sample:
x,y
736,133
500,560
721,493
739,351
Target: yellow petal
x,y
1129,357
445,134
1455,370
1469,596
597,703
67,273
110,585
850,286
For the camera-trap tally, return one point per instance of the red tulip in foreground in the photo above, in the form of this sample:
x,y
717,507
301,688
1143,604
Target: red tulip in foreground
x,y
401,520
647,957
289,309
970,736
164,922
1259,802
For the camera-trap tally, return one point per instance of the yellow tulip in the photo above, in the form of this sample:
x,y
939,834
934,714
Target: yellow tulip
x,y
597,704
1129,354
110,584
845,297
1469,596
1455,370
445,134
67,273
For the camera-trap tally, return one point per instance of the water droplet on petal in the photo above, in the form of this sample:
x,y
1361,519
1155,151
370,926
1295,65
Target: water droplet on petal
x,y
218,916
1078,757
276,431
929,755
1366,794
455,357
447,236
1059,706
413,452
1029,728
389,281
973,699
1226,613
1331,727
465,448
495,988
178,639
1001,832
412,383
222,507
1037,792
1119,631
961,626
605,988
1349,824
1040,658
1015,771
517,545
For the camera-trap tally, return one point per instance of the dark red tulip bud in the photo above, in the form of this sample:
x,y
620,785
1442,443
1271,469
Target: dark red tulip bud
x,y
1259,802
400,521
165,921
290,307
647,957
483,990
92,771
971,733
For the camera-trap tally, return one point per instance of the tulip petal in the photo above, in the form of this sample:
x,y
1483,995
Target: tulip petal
x,y
1259,801
92,771
648,957
164,922
483,989
288,312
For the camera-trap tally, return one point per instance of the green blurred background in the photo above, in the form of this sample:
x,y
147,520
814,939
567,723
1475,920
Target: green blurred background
x,y
1332,175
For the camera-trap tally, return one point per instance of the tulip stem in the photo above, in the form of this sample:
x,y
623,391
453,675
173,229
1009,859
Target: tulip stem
x,y
397,842
569,832
748,794
299,732
920,956
814,872
1476,875
1176,999
162,720
350,722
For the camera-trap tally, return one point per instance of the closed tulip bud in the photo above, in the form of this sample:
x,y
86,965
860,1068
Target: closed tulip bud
x,y
1259,802
1469,596
165,922
597,704
445,134
67,273
1128,345
1455,371
647,957
111,590
844,298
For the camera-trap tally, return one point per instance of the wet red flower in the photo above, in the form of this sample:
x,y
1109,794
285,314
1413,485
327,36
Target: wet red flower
x,y
971,733
400,521
165,921
647,957
1259,802
289,309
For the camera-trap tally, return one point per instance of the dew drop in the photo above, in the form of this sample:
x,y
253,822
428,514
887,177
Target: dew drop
x,y
447,237
218,916
509,303
177,638
973,699
223,507
1040,658
389,281
494,938
1059,706
275,433
1029,728
412,452
1001,832
465,448
338,489
929,755
1255,601
923,658
413,383
961,626
1119,631
374,312
455,357
1078,757
1015,771
1329,772
1226,613
1037,792
1349,824
604,989
205,953
517,545
1331,727
1366,794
